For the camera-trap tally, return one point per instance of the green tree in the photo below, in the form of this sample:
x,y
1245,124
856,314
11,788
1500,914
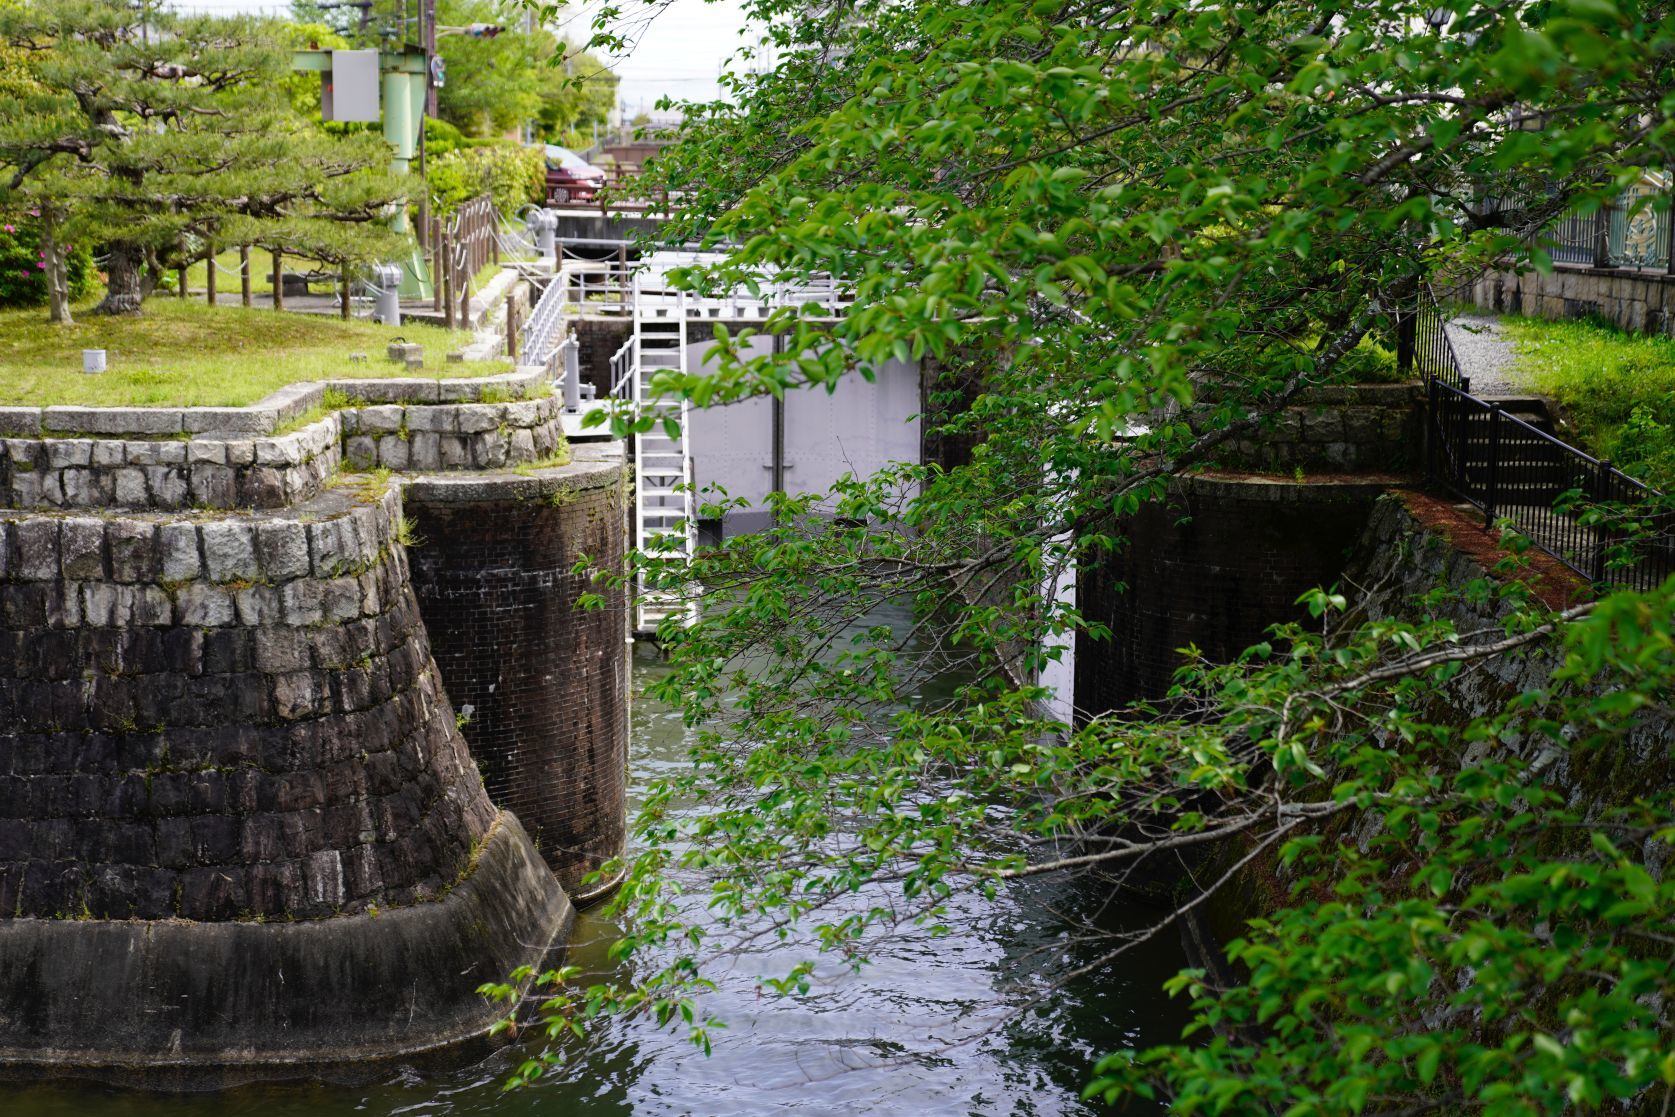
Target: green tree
x,y
157,135
1134,231
520,76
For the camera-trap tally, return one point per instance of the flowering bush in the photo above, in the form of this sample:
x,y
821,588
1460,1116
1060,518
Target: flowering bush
x,y
23,275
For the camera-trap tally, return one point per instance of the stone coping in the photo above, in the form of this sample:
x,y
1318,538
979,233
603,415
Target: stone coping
x,y
268,414
592,466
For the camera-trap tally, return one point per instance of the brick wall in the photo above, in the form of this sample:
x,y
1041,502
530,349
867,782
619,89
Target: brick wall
x,y
1214,567
544,684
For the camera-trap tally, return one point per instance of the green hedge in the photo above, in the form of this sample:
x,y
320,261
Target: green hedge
x,y
515,175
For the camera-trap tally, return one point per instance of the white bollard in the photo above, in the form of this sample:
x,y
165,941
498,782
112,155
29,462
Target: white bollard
x,y
93,360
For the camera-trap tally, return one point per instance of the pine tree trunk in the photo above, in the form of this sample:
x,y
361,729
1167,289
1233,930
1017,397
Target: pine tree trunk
x,y
125,285
58,284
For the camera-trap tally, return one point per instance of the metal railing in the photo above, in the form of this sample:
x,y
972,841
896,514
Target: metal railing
x,y
1597,520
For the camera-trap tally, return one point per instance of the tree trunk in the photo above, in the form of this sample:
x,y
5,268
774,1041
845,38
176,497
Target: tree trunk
x,y
58,283
125,285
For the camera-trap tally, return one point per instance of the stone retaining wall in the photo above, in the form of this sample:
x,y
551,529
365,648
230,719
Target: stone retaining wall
x,y
232,719
1632,300
222,727
218,470
458,436
1350,429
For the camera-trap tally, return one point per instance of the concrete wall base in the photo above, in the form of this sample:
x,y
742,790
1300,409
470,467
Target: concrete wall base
x,y
184,1005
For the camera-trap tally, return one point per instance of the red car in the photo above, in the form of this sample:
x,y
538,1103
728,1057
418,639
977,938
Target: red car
x,y
570,178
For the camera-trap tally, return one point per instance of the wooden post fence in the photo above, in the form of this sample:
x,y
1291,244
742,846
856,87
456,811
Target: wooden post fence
x,y
244,273
209,276
278,287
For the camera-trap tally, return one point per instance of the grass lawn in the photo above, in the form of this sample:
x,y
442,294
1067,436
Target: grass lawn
x,y
1618,388
182,353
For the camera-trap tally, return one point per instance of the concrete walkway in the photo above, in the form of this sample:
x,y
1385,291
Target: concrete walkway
x,y
1486,356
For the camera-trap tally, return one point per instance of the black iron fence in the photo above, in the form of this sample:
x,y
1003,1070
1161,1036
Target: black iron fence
x,y
1632,231
1597,520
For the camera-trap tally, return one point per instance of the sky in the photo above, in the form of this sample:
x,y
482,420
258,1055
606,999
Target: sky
x,y
678,53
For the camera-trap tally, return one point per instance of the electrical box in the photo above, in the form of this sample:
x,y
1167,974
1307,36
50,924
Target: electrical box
x,y
349,90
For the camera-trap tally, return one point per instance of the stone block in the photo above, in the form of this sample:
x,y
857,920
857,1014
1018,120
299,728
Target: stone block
x,y
151,606
262,487
393,452
431,418
258,605
181,559
82,547
202,451
456,451
489,451
361,452
470,418
426,451
204,606
108,453
171,453
111,420
133,550
229,549
525,413
300,601
213,486
279,651
381,419
233,420
131,490
241,452
20,420
282,547
65,452
168,487
35,550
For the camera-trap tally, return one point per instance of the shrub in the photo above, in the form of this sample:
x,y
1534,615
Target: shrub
x,y
514,175
23,274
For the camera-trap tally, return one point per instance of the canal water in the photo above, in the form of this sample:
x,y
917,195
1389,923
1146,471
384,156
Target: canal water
x,y
949,1025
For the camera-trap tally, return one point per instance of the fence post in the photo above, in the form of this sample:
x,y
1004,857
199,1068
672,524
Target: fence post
x,y
180,275
1602,236
512,328
209,276
1491,489
343,294
1406,328
447,287
278,281
1433,421
1669,242
438,263
1602,526
244,273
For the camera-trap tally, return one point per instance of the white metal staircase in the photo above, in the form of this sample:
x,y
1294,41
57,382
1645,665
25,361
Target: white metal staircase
x,y
665,508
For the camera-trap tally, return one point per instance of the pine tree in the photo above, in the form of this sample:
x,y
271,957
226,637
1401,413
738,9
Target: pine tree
x,y
159,136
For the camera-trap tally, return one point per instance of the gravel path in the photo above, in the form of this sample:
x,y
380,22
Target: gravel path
x,y
1486,356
